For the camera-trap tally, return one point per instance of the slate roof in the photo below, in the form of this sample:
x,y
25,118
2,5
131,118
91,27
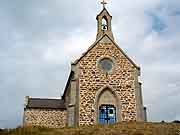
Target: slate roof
x,y
39,103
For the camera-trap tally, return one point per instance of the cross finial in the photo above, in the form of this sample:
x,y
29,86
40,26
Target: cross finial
x,y
103,3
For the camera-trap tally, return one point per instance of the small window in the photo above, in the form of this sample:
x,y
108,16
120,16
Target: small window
x,y
102,110
111,111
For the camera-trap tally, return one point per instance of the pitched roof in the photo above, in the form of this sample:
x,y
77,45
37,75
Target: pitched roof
x,y
93,45
38,103
104,9
67,84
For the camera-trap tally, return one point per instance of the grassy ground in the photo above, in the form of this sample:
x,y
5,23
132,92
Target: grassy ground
x,y
116,129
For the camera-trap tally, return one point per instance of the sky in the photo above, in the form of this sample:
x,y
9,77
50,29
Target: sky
x,y
40,38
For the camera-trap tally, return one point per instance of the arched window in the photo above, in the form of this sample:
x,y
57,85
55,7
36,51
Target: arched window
x,y
104,23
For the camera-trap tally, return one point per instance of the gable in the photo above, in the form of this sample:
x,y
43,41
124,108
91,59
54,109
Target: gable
x,y
106,39
103,12
93,76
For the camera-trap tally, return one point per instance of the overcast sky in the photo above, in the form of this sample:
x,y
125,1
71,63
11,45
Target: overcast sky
x,y
40,38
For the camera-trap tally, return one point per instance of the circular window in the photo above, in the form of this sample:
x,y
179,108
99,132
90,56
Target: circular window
x,y
106,64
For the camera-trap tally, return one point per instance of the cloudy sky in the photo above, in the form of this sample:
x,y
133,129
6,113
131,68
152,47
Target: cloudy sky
x,y
40,38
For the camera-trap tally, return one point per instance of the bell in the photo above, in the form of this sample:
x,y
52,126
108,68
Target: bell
x,y
104,27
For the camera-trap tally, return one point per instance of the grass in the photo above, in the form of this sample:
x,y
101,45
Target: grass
x,y
115,129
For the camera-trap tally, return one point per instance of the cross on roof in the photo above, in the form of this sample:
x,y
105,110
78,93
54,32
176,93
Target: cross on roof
x,y
103,3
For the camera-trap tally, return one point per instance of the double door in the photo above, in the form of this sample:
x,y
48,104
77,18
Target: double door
x,y
107,114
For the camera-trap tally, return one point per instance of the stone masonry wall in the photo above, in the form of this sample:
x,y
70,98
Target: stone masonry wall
x,y
47,118
91,79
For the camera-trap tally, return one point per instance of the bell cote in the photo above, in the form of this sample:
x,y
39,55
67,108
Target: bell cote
x,y
104,24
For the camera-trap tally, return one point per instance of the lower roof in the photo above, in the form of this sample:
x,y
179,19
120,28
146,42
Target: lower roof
x,y
39,103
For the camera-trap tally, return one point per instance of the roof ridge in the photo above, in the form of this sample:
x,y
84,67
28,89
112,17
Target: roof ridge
x,y
89,48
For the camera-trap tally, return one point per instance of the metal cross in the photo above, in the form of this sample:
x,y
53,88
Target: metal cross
x,y
103,3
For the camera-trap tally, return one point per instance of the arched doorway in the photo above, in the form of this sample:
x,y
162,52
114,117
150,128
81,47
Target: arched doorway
x,y
107,106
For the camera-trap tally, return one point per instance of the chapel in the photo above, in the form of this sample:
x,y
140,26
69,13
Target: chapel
x,y
102,88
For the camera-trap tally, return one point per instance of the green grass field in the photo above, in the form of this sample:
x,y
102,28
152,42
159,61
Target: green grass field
x,y
116,129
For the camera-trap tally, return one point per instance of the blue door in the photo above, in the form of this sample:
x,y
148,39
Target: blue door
x,y
107,114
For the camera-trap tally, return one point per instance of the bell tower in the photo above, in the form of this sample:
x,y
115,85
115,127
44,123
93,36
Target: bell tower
x,y
104,23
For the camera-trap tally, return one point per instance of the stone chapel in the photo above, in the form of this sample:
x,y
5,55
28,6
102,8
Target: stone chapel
x,y
102,88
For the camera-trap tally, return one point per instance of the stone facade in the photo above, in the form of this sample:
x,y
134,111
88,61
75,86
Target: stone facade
x,y
45,117
121,81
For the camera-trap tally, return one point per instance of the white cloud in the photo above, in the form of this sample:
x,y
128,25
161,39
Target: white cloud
x,y
69,49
